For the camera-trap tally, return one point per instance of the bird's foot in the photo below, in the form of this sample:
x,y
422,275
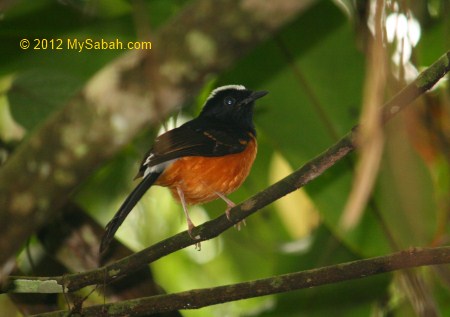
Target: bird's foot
x,y
191,226
230,205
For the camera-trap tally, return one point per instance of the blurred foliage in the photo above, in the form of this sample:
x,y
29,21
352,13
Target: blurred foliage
x,y
314,69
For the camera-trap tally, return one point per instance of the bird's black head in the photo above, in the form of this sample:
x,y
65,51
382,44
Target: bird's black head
x,y
232,104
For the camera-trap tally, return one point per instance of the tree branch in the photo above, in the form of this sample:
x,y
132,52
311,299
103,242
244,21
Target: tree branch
x,y
40,176
278,284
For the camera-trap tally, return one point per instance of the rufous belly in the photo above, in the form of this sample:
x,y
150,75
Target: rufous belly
x,y
201,178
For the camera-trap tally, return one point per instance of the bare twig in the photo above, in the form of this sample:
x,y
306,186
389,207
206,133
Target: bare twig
x,y
370,137
278,284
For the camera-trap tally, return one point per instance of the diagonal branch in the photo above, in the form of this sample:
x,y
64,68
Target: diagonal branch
x,y
213,228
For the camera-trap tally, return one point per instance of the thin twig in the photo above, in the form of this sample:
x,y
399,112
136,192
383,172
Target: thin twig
x,y
194,299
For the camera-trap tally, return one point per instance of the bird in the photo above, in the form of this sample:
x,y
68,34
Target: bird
x,y
202,160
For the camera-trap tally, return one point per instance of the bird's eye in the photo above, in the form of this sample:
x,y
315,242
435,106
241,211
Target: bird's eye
x,y
229,101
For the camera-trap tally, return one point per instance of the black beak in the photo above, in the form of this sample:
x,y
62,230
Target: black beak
x,y
255,95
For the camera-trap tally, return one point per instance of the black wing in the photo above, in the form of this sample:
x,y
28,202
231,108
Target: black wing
x,y
198,137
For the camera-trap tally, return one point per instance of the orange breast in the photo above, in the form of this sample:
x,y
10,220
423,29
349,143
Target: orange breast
x,y
200,177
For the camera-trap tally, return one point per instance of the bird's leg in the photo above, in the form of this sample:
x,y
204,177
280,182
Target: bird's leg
x,y
188,219
230,205
186,213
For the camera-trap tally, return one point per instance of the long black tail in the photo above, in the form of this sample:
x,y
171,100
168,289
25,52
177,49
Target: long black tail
x,y
125,209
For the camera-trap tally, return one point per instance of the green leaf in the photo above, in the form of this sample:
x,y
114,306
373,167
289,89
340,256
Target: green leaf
x,y
35,94
315,86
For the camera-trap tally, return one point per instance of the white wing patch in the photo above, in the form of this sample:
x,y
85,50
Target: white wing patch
x,y
158,168
147,161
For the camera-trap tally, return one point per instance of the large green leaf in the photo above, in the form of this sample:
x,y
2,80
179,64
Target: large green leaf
x,y
315,85
36,93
